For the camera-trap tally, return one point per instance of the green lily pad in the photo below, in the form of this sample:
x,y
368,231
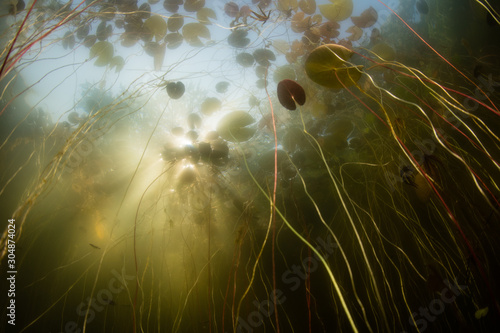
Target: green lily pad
x,y
157,26
233,127
337,10
327,66
103,51
175,22
117,62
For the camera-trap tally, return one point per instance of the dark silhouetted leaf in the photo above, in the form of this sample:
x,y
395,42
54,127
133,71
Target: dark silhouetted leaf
x,y
238,38
263,56
289,93
175,90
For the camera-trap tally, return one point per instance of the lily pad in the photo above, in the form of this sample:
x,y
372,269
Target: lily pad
x,y
210,105
221,87
327,66
204,14
117,62
103,51
231,9
68,41
175,90
175,22
290,93
193,5
238,38
367,18
355,32
337,10
245,59
264,56
173,40
157,26
308,6
233,127
172,5
192,33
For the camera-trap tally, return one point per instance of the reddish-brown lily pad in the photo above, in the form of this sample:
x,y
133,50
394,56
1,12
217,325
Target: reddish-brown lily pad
x,y
291,93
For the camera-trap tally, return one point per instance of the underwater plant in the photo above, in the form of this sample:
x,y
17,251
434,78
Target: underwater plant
x,y
247,166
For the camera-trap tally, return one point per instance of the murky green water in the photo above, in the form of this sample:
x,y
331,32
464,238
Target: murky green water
x,y
250,166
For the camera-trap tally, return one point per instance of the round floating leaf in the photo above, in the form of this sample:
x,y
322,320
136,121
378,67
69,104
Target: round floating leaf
x,y
308,6
337,11
245,59
82,31
175,90
68,41
210,105
281,46
103,51
355,32
221,87
193,31
329,30
157,26
284,5
175,22
326,65
366,19
204,14
231,9
233,127
117,62
238,38
173,40
172,5
89,41
193,5
289,93
144,11
263,56
104,31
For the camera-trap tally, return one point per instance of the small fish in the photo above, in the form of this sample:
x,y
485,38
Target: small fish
x,y
94,246
422,7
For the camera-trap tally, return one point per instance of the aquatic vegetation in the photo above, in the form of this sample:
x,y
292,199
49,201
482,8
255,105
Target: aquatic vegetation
x,y
239,166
